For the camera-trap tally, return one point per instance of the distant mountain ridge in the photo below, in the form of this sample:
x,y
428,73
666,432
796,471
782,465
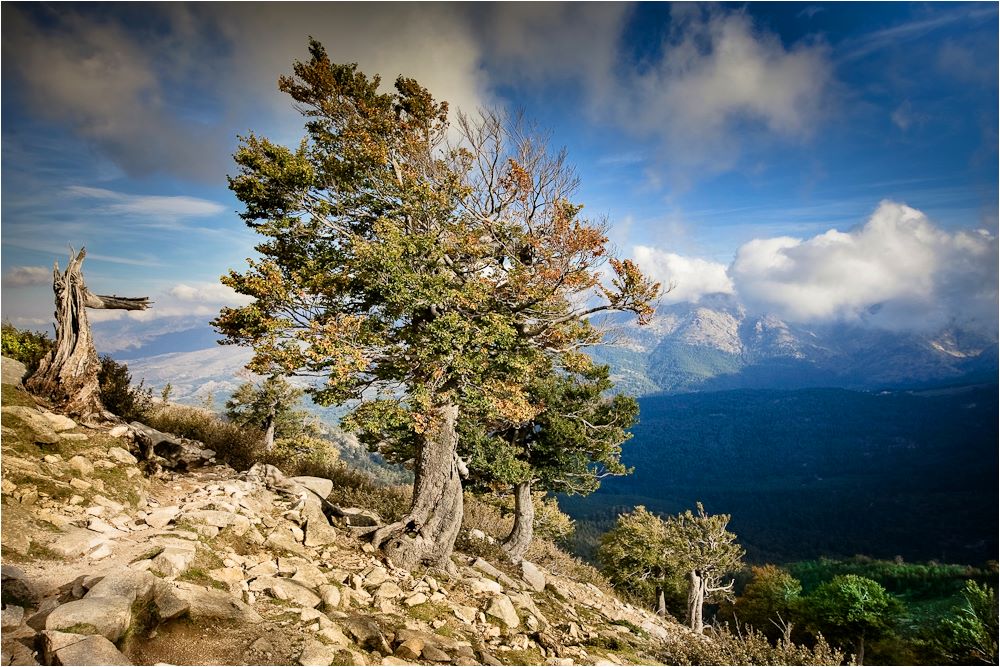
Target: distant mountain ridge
x,y
717,344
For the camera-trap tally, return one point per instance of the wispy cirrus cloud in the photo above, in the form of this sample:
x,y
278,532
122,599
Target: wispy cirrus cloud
x,y
152,206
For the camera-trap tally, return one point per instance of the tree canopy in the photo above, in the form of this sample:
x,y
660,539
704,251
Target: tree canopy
x,y
430,280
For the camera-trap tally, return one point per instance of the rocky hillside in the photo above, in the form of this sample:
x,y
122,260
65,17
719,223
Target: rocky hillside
x,y
178,559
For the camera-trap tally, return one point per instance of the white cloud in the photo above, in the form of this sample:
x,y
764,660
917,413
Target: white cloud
x,y
898,270
153,206
215,293
691,278
22,276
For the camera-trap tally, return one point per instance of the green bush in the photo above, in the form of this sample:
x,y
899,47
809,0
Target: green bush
x,y
28,347
117,393
744,648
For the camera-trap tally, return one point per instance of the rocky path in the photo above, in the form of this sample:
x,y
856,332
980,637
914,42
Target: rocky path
x,y
103,564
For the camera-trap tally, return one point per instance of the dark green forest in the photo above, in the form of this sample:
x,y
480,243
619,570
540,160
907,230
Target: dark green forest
x,y
817,472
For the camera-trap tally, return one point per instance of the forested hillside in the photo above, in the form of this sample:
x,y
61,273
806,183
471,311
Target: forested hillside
x,y
818,472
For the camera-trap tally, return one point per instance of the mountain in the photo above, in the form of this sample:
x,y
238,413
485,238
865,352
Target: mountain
x,y
716,344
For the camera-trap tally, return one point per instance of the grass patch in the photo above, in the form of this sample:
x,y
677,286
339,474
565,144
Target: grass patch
x,y
429,611
197,575
239,447
531,656
82,629
12,395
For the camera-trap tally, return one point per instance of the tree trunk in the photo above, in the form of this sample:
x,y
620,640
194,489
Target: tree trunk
x,y
426,535
661,602
860,657
269,433
696,600
516,544
67,376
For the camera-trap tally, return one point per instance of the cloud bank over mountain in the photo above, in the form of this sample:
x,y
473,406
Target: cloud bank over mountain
x,y
897,271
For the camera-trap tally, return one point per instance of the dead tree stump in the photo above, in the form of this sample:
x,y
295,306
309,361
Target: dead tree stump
x,y
67,376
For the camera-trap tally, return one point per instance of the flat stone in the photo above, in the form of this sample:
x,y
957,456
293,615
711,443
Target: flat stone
x,y
173,561
59,422
309,575
122,456
264,569
317,653
286,589
76,542
209,603
52,458
80,484
464,613
119,431
99,525
168,603
502,609
101,552
533,576
330,596
74,437
318,485
125,583
333,634
414,600
82,465
92,650
219,519
112,505
109,617
227,575
162,517
434,654
388,591
485,586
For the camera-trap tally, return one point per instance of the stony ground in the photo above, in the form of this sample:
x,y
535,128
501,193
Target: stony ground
x,y
105,563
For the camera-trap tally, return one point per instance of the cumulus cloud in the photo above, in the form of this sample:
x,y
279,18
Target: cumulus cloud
x,y
898,270
690,278
22,276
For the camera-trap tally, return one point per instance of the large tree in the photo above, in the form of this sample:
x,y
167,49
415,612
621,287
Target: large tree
x,y
851,608
425,279
633,555
569,447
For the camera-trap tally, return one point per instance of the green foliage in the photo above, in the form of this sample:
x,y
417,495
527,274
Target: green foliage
x,y
770,600
551,523
273,400
969,634
117,393
303,455
632,554
850,609
168,389
28,347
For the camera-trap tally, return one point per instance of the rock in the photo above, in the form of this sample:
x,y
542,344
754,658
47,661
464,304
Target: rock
x,y
82,465
464,613
356,517
119,431
209,603
76,542
316,653
227,575
76,500
11,617
489,659
285,589
39,425
434,654
376,577
503,609
12,371
92,650
129,584
162,517
109,617
58,422
74,437
366,633
281,539
410,649
99,525
219,519
15,587
168,604
486,568
559,661
309,576
388,591
318,485
477,534
173,561
52,458
264,569
390,660
333,634
318,528
122,456
330,596
414,600
533,576
485,586
80,484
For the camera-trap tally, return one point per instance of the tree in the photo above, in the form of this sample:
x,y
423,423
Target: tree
x,y
700,546
438,279
970,633
270,407
769,601
67,375
632,555
573,443
852,608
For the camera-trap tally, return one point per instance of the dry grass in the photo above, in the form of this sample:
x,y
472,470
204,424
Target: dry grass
x,y
239,447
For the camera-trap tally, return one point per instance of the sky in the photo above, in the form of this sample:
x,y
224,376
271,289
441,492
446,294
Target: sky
x,y
818,161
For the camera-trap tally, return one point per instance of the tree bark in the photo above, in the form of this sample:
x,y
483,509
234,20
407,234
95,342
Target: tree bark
x,y
860,657
269,433
426,535
516,544
696,600
67,376
661,602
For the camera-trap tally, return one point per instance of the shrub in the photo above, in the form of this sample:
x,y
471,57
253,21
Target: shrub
x,y
304,455
237,446
748,647
28,347
117,393
353,488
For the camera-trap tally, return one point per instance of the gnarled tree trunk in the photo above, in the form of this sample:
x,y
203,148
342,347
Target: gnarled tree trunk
x,y
697,586
426,535
516,544
661,602
67,375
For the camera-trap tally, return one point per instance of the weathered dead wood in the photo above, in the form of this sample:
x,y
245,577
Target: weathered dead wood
x,y
67,376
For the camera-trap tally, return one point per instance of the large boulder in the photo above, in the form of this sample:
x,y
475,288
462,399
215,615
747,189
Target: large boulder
x,y
169,450
213,604
108,617
63,648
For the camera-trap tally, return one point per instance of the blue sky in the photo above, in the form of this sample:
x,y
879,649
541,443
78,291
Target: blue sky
x,y
816,160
